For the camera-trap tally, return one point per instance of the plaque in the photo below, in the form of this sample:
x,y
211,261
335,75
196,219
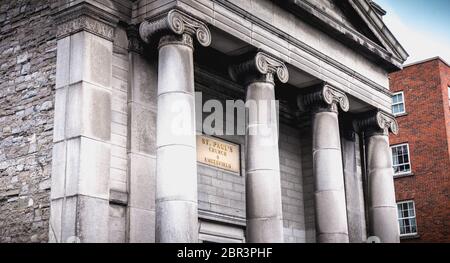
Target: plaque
x,y
218,153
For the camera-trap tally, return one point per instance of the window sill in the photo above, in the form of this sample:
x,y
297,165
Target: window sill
x,y
413,236
403,175
400,114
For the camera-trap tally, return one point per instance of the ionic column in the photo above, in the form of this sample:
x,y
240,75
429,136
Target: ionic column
x,y
176,176
383,220
329,192
263,187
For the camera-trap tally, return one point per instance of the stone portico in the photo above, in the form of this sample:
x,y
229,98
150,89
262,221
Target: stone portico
x,y
121,173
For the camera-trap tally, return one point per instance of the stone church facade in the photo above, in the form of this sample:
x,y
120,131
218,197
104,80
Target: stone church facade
x,y
90,91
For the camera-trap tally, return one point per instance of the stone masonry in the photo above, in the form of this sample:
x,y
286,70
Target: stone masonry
x,y
27,77
89,153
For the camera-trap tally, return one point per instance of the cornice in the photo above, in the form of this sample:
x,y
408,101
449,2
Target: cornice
x,y
346,34
302,46
427,60
259,67
363,8
85,17
378,9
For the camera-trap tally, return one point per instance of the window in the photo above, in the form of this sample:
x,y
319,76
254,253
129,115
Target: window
x,y
407,218
400,159
398,103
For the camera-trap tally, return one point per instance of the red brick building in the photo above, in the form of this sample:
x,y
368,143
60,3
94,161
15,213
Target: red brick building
x,y
421,150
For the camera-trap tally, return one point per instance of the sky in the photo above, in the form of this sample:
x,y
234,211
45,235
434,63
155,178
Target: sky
x,y
421,26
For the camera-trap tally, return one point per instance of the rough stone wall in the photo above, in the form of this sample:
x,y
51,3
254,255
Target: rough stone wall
x,y
424,128
27,77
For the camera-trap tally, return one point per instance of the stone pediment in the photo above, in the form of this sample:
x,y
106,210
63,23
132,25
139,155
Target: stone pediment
x,y
333,9
357,23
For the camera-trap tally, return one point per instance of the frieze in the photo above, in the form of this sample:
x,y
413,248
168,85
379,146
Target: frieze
x,y
85,17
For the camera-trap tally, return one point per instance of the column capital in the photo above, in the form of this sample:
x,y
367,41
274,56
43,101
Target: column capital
x,y
177,23
347,125
377,122
326,97
259,67
85,17
135,43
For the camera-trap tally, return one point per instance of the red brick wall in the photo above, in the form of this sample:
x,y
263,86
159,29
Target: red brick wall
x,y
426,128
445,83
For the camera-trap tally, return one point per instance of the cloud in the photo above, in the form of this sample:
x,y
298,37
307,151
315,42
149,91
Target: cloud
x,y
419,43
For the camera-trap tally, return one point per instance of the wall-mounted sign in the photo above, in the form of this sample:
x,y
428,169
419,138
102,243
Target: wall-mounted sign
x,y
218,153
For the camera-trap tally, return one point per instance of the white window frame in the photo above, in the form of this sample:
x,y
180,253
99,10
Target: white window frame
x,y
403,102
409,159
408,217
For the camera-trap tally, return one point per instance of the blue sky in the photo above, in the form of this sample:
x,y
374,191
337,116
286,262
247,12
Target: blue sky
x,y
421,26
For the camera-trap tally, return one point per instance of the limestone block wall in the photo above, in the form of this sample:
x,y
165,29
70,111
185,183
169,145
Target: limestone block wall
x,y
308,180
292,185
354,185
27,79
119,127
141,146
221,193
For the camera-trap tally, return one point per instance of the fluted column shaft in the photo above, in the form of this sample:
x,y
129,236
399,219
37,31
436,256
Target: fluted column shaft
x,y
176,177
383,218
329,191
263,186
